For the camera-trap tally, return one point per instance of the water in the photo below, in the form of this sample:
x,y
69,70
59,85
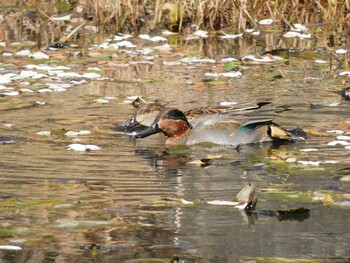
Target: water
x,y
57,203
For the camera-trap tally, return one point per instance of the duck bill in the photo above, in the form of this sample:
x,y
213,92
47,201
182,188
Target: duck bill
x,y
149,131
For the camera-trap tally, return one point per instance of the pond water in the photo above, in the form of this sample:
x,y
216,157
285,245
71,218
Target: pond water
x,y
62,205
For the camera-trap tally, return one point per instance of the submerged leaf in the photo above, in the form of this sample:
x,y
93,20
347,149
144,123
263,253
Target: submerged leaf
x,y
327,200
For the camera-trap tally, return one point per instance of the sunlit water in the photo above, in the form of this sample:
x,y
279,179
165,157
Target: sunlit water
x,y
56,203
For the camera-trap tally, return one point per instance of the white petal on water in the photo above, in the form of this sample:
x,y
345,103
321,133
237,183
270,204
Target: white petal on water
x,y
228,103
40,76
168,33
91,75
171,63
76,133
201,33
8,125
24,74
5,80
39,55
27,90
291,34
69,75
232,74
335,143
147,51
24,83
2,44
78,82
102,100
299,27
309,150
258,59
305,36
220,202
212,75
165,47
320,61
344,73
83,147
44,133
61,68
336,131
228,60
343,137
228,36
185,202
203,60
341,51
60,85
347,147
144,36
61,18
6,88
40,103
23,53
44,90
256,33
96,69
118,38
126,44
7,54
104,45
158,39
54,72
315,163
266,22
10,93
10,247
124,36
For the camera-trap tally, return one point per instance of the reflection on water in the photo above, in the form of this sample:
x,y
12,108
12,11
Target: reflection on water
x,y
100,206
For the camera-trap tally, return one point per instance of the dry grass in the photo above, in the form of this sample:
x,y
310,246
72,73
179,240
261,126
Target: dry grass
x,y
131,15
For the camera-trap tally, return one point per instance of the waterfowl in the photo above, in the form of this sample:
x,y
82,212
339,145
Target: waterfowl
x,y
221,129
147,112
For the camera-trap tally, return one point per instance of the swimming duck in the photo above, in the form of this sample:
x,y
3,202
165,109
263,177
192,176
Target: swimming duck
x,y
221,129
147,112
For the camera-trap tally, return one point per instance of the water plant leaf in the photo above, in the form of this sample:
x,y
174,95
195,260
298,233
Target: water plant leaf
x,y
229,66
327,200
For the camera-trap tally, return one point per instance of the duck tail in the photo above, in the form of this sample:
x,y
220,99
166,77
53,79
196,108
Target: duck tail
x,y
277,132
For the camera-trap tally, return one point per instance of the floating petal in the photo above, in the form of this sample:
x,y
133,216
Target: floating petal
x,y
10,247
334,143
266,22
83,147
341,51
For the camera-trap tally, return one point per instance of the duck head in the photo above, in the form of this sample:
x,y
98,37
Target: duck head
x,y
171,122
144,117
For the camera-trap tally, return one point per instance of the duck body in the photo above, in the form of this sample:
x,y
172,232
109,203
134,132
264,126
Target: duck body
x,y
224,129
147,112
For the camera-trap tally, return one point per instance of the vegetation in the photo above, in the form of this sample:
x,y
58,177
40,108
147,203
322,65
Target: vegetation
x,y
132,15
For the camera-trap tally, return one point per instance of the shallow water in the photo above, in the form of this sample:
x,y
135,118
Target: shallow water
x,y
56,203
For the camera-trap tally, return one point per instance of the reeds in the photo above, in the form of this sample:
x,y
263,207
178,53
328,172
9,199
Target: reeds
x,y
215,14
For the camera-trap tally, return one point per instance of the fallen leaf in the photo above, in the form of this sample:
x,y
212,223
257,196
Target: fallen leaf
x,y
327,200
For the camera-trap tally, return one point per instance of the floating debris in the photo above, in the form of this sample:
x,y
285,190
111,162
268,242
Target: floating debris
x,y
335,143
83,147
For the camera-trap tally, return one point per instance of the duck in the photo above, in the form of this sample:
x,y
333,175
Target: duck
x,y
148,111
221,129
